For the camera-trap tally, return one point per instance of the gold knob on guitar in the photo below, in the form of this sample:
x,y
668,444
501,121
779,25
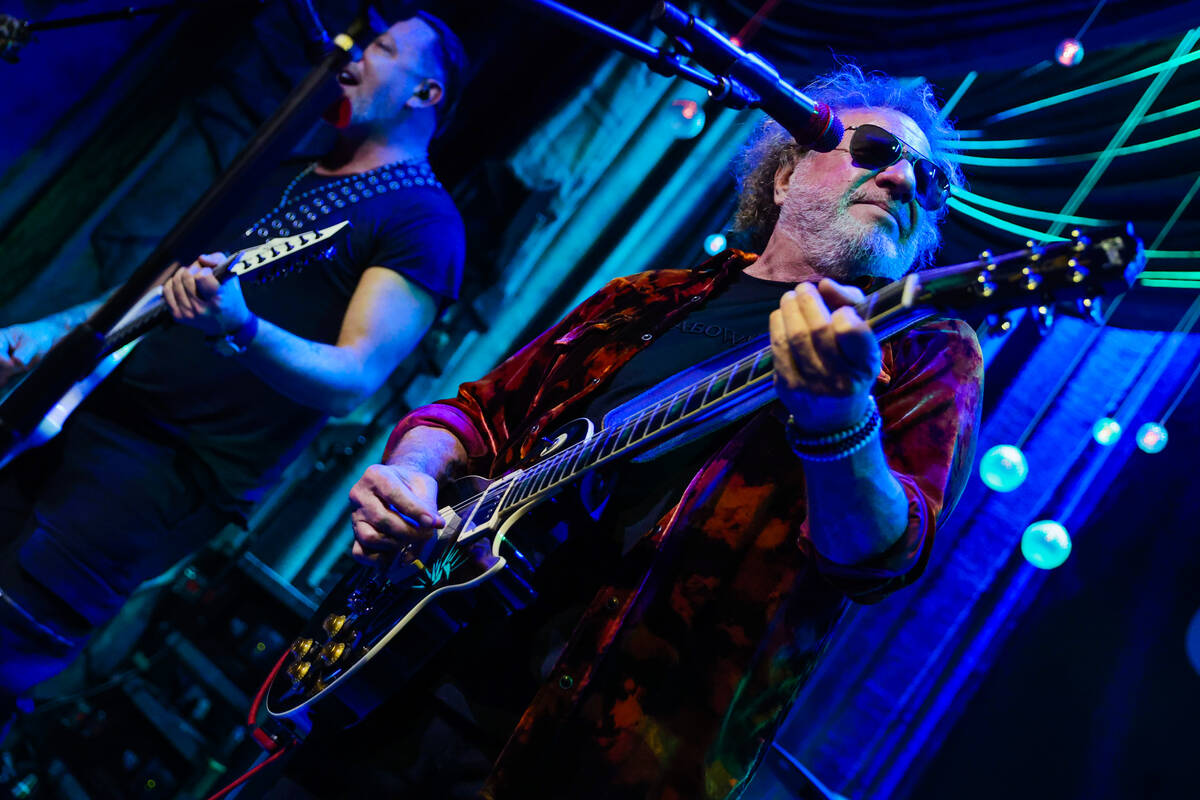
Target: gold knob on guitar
x,y
333,623
332,652
298,671
302,647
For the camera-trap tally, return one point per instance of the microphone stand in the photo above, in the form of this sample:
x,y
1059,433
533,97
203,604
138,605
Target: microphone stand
x,y
664,60
76,354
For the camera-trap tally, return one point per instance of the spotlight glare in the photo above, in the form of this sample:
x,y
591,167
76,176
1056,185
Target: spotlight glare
x,y
1069,52
1106,430
1003,468
1046,544
714,243
686,118
1152,437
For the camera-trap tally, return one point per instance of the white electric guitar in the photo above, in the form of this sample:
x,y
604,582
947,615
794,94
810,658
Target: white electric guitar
x,y
261,262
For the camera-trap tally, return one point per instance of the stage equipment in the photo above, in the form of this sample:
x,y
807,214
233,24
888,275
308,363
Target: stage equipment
x,y
1069,52
1003,468
1152,437
1046,544
1106,430
739,79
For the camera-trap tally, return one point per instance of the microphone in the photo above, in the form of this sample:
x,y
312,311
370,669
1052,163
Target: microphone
x,y
812,124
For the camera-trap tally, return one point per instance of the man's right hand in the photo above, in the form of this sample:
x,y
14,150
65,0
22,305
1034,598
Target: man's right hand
x,y
395,509
22,346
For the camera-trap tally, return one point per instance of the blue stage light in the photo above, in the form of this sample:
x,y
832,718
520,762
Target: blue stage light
x,y
1152,437
1046,544
1003,468
1106,430
714,243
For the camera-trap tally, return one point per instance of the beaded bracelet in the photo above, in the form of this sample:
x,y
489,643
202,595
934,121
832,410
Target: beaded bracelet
x,y
838,445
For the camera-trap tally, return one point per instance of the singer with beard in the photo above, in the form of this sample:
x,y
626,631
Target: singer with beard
x,y
202,418
693,604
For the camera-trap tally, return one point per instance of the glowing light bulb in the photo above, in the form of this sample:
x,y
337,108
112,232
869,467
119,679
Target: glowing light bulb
x,y
1152,437
1046,544
686,118
1003,468
1069,52
1106,430
714,243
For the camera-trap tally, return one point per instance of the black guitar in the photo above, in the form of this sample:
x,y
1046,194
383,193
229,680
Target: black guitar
x,y
370,608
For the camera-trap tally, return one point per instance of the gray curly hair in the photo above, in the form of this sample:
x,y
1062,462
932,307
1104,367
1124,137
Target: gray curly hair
x,y
847,87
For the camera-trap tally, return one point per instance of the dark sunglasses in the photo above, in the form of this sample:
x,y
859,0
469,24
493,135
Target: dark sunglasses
x,y
872,147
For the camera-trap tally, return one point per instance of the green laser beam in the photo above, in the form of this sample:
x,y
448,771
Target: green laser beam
x,y
1002,224
1043,161
1083,91
1125,131
1167,283
998,205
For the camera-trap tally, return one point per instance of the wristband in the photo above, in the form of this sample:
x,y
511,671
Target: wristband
x,y
837,445
236,342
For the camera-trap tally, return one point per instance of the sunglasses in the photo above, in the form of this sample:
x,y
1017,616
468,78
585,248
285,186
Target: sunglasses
x,y
872,147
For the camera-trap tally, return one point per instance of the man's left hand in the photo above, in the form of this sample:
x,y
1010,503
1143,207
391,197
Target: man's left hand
x,y
825,361
197,299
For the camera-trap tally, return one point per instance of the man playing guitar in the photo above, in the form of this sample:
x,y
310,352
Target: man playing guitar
x,y
202,417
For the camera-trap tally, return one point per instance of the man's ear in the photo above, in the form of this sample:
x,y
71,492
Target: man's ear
x,y
428,94
783,180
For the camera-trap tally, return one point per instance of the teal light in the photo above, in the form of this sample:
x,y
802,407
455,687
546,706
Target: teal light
x,y
1152,437
714,243
1172,111
1002,224
1046,544
1174,254
1083,91
1106,430
1003,468
994,144
1169,283
1078,158
1020,211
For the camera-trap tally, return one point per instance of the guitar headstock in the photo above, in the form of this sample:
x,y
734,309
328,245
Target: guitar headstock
x,y
1080,270
285,254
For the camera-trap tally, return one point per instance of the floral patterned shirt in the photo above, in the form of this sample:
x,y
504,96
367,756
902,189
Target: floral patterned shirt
x,y
683,665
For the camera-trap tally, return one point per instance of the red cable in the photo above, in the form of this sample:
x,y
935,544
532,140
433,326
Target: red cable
x,y
265,741
250,772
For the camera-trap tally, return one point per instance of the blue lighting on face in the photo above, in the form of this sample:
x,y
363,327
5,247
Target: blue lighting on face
x,y
1106,430
1046,544
1003,468
714,243
1152,437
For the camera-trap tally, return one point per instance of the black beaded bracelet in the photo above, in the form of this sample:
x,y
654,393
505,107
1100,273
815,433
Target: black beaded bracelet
x,y
838,445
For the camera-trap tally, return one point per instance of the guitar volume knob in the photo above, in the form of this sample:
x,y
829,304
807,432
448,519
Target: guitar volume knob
x,y
302,647
298,671
333,623
332,652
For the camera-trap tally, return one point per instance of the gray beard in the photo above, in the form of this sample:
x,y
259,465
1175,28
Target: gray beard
x,y
843,248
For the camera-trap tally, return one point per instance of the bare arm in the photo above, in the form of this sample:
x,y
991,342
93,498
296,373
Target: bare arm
x,y
387,316
391,497
826,364
24,344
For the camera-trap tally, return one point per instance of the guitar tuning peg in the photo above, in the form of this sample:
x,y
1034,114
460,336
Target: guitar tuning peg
x,y
1044,317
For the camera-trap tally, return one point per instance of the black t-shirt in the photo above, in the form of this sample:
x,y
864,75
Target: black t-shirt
x,y
641,492
241,430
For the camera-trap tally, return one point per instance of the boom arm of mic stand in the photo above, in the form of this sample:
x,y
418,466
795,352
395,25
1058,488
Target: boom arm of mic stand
x,y
664,61
74,356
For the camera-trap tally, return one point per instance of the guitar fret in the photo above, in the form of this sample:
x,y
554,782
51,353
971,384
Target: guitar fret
x,y
657,419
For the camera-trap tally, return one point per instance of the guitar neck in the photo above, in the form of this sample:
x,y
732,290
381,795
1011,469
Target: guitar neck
x,y
888,311
156,312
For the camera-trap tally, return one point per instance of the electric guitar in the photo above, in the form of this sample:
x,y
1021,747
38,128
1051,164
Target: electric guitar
x,y
260,263
373,607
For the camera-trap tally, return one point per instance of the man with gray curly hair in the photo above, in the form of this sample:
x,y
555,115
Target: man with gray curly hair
x,y
701,592
773,159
